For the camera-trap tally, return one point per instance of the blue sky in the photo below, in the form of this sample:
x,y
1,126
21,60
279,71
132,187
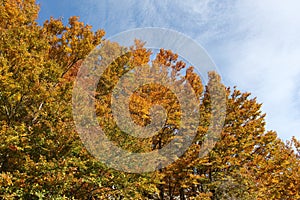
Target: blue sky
x,y
255,44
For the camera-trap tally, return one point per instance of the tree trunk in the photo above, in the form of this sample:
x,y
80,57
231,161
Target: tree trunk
x,y
161,192
181,192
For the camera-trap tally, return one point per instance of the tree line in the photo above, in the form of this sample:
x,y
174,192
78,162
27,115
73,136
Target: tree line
x,y
43,157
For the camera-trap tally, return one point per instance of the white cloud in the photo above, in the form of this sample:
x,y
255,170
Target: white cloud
x,y
266,59
256,43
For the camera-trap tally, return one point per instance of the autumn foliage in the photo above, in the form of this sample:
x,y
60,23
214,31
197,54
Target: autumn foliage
x,y
43,157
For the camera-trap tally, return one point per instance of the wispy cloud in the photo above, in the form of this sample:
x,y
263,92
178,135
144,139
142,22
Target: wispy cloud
x,y
265,59
255,44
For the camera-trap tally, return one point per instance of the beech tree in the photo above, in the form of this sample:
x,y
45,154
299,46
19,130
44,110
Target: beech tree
x,y
43,157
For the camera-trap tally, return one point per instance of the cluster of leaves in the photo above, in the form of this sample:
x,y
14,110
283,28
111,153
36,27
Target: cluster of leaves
x,y
42,156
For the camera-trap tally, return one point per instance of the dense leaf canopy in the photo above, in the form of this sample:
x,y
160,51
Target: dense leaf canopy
x,y
42,156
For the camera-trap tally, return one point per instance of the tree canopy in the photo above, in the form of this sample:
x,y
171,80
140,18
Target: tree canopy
x,y
43,157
